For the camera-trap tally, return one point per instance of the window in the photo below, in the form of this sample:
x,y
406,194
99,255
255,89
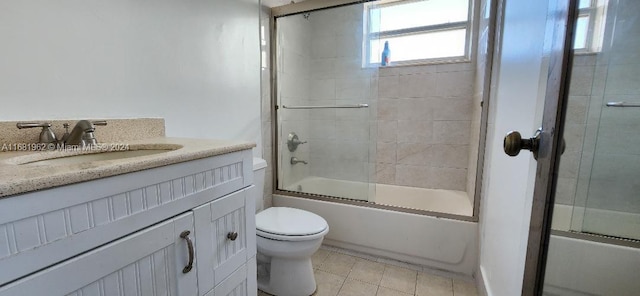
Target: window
x,y
417,31
589,26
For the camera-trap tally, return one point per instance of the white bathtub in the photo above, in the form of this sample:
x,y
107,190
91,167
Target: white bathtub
x,y
435,200
439,243
581,267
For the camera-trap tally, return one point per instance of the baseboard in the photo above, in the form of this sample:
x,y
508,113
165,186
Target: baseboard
x,y
481,284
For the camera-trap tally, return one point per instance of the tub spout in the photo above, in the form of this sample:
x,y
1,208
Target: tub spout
x,y
295,160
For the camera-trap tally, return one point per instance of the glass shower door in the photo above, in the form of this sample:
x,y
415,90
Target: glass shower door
x,y
324,98
612,205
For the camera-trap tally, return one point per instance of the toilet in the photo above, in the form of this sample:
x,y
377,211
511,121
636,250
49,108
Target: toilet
x,y
286,240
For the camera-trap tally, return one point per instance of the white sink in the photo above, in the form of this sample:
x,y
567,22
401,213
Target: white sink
x,y
111,155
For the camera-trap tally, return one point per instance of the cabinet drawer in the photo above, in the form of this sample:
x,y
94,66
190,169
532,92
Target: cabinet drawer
x,y
239,283
149,262
224,241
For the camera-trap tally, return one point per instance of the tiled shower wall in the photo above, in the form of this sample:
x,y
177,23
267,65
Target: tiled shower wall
x,y
424,122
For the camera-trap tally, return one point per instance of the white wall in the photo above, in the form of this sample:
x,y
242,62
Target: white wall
x,y
194,63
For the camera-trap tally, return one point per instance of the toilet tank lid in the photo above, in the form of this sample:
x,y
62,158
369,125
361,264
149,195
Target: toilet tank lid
x,y
289,222
259,163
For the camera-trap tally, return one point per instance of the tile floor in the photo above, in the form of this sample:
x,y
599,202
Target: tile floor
x,y
344,273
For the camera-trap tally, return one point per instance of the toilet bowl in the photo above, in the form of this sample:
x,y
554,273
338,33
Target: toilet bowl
x,y
286,240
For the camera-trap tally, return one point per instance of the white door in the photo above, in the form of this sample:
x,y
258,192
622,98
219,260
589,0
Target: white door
x,y
526,84
148,262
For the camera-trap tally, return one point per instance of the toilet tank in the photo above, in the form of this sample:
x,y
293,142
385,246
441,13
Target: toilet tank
x,y
259,169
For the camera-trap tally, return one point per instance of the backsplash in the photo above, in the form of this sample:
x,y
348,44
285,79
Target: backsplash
x,y
116,130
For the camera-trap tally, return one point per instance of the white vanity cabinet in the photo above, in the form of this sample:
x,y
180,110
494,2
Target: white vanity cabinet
x,y
126,234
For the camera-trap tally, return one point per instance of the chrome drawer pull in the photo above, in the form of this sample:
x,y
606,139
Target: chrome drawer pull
x,y
185,235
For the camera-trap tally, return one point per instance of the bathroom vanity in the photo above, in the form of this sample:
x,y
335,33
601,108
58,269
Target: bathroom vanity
x,y
175,223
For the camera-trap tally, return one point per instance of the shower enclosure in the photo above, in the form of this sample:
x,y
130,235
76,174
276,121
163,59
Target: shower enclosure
x,y
402,136
595,248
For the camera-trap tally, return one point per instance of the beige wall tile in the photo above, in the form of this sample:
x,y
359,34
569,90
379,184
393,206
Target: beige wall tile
x,y
451,132
454,84
447,178
414,176
386,152
388,87
414,154
387,109
387,130
417,85
451,108
581,80
385,173
450,156
415,131
418,109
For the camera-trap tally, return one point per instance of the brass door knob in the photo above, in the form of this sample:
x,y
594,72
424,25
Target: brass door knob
x,y
513,143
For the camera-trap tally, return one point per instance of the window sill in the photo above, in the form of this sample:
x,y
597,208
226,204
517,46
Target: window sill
x,y
455,60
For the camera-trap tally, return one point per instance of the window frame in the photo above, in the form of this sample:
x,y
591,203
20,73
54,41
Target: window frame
x,y
596,11
467,25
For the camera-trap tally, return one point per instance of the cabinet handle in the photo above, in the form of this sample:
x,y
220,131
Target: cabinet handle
x,y
185,235
232,235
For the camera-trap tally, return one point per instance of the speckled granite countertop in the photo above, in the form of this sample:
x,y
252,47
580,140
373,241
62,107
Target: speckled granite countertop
x,y
16,177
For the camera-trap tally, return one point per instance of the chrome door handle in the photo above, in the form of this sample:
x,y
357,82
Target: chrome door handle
x,y
185,236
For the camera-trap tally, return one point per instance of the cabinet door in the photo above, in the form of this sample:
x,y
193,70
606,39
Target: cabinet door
x,y
148,262
226,237
239,283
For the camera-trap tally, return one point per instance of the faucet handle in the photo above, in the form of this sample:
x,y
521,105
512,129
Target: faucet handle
x,y
99,122
21,125
46,135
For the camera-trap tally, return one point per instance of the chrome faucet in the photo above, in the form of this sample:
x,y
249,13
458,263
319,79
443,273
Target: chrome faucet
x,y
295,160
82,133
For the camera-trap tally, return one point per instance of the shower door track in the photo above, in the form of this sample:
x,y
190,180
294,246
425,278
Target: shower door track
x,y
599,238
361,203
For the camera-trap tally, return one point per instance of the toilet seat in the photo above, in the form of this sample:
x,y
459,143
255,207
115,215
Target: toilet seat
x,y
289,224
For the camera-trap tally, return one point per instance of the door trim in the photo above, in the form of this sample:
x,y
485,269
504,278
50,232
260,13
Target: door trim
x,y
562,17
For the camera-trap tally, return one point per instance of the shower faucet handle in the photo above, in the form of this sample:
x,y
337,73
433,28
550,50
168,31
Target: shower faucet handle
x,y
293,142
